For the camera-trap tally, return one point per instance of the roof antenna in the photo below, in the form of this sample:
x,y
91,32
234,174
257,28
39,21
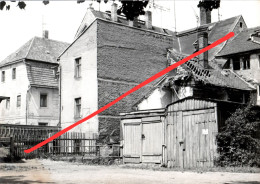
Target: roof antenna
x,y
219,15
155,6
197,17
175,25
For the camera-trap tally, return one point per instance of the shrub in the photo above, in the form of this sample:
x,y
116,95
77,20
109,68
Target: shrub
x,y
238,141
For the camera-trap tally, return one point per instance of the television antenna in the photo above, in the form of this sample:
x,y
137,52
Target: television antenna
x,y
155,6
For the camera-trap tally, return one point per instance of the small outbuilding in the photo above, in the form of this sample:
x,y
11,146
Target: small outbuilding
x,y
181,135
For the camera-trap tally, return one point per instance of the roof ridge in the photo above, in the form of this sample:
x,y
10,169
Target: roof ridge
x,y
38,37
230,30
29,48
187,30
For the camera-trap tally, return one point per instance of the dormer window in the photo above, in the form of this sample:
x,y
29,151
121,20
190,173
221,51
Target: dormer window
x,y
241,24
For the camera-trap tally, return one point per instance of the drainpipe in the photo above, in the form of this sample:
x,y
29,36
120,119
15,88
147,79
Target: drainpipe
x,y
26,99
27,104
59,68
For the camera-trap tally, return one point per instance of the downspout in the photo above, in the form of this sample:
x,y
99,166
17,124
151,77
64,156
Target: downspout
x,y
59,124
27,104
26,99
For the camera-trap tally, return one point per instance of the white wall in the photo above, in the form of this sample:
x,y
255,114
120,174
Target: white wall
x,y
86,87
49,114
11,88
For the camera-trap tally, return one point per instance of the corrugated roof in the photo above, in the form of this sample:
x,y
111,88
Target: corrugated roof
x,y
39,49
242,43
216,31
215,76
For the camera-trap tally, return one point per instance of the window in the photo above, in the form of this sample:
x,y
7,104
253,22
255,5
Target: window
x,y
241,24
14,73
236,63
78,68
43,100
246,62
259,61
7,103
77,107
42,124
18,101
3,76
259,90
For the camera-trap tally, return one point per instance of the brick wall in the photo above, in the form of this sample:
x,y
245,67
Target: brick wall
x,y
125,57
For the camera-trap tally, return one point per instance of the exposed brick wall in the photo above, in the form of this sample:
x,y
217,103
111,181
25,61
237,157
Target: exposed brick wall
x,y
130,54
109,91
125,57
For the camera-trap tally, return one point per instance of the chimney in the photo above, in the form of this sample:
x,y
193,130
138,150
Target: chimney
x,y
205,16
148,20
133,23
45,34
202,43
114,12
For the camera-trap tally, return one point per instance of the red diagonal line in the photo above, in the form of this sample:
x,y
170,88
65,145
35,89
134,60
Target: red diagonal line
x,y
147,81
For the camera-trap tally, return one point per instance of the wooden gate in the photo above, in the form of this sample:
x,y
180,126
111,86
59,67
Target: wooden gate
x,y
143,140
191,128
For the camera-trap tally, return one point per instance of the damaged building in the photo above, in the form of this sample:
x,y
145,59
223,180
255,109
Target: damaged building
x,y
176,122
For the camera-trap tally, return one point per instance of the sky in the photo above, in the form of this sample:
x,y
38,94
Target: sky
x,y
62,18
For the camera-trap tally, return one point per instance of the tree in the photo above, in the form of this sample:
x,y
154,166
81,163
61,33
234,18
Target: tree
x,y
209,4
130,9
239,141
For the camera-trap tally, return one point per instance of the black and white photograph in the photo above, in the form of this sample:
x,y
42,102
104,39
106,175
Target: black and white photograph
x,y
129,91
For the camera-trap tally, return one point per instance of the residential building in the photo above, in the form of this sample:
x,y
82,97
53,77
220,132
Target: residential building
x,y
109,56
203,76
242,56
29,93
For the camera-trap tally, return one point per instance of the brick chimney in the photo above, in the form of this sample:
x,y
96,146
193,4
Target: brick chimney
x,y
205,16
202,43
45,34
148,20
114,17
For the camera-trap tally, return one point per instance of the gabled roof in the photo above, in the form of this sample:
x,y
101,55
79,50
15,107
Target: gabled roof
x,y
39,49
215,76
243,42
216,31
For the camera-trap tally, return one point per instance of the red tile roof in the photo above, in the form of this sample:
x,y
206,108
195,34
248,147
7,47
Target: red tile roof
x,y
243,42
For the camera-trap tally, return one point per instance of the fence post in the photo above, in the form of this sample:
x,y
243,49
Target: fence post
x,y
12,149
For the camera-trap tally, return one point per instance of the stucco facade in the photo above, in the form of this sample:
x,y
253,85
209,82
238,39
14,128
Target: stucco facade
x,y
29,93
84,87
29,112
9,88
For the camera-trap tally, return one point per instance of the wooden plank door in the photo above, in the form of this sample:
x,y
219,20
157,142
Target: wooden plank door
x,y
132,143
152,140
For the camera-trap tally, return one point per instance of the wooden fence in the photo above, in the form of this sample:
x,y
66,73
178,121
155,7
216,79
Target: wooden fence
x,y
21,137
